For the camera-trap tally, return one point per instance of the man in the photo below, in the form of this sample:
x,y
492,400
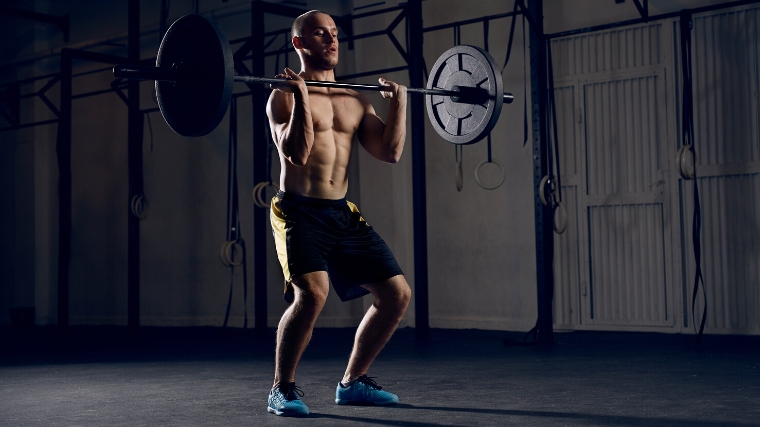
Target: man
x,y
321,237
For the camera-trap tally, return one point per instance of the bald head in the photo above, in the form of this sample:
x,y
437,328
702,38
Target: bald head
x,y
300,24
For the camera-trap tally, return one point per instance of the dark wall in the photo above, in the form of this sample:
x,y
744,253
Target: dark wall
x,y
7,227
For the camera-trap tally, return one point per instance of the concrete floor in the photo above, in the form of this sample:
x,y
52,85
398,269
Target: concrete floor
x,y
100,376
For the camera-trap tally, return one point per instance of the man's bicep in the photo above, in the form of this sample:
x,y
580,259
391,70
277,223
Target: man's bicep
x,y
370,134
278,111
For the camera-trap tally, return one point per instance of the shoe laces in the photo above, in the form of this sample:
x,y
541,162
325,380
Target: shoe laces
x,y
364,379
291,391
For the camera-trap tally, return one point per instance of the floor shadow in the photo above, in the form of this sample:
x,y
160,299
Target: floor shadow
x,y
380,421
593,418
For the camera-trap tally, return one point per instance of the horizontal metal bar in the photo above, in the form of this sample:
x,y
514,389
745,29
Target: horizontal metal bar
x,y
141,72
104,58
367,6
276,32
28,125
469,21
364,35
374,72
93,93
377,12
85,73
29,80
34,16
62,22
281,9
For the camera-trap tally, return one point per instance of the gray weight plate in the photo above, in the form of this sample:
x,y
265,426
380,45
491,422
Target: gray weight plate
x,y
195,105
461,122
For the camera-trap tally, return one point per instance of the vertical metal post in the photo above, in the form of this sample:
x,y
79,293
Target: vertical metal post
x,y
417,108
260,173
544,214
135,166
63,152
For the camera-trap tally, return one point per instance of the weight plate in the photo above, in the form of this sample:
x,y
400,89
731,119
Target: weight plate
x,y
461,122
195,105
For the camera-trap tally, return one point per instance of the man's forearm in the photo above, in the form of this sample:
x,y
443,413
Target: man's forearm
x,y
298,137
394,134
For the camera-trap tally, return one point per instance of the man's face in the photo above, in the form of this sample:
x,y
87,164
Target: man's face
x,y
320,42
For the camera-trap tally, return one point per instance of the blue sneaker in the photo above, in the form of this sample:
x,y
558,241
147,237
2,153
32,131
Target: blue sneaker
x,y
364,391
286,401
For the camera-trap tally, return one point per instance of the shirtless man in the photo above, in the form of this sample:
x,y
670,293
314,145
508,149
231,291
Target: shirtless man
x,y
316,230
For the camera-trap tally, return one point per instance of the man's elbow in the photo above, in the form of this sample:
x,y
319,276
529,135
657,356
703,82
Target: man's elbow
x,y
296,155
393,156
298,160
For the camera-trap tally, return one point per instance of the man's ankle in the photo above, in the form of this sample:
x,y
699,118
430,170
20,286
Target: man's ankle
x,y
282,385
347,381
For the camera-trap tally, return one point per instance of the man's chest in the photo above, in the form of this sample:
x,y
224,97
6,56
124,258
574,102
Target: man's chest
x,y
337,113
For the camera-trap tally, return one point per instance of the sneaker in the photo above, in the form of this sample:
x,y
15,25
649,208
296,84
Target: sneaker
x,y
286,401
364,391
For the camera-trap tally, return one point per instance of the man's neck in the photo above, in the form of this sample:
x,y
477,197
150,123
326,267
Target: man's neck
x,y
317,74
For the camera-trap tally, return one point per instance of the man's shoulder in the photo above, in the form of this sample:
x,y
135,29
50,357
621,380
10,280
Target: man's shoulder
x,y
357,95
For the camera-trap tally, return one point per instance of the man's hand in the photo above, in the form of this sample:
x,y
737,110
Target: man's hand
x,y
293,82
398,91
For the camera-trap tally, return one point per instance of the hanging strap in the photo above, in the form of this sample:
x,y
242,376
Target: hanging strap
x,y
511,35
486,25
687,133
233,218
553,113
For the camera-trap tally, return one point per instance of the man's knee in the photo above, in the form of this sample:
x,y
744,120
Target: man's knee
x,y
395,291
403,293
312,289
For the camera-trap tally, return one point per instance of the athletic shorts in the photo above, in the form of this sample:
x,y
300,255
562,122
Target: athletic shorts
x,y
329,235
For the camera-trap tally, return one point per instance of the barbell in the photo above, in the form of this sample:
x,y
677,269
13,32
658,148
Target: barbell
x,y
194,75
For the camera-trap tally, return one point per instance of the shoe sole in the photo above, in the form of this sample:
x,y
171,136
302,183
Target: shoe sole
x,y
364,403
285,413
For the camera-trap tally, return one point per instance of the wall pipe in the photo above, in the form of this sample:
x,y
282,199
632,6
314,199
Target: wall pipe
x,y
544,221
414,50
135,119
259,97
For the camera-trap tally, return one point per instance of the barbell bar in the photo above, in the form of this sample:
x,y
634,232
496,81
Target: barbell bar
x,y
194,73
167,74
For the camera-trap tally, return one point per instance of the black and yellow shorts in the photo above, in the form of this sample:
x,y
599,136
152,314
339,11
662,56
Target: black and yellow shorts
x,y
329,235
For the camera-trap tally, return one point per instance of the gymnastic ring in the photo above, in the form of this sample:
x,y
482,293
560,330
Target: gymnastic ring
x,y
255,194
459,176
563,216
258,193
229,249
501,179
686,170
262,191
542,190
139,206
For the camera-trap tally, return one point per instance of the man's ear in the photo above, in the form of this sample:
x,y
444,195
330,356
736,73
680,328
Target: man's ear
x,y
297,43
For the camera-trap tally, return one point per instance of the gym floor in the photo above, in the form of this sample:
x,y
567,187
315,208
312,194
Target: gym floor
x,y
100,376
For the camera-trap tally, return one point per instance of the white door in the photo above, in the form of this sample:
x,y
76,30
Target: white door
x,y
614,265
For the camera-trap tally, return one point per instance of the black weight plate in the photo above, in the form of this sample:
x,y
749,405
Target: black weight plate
x,y
195,105
461,122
